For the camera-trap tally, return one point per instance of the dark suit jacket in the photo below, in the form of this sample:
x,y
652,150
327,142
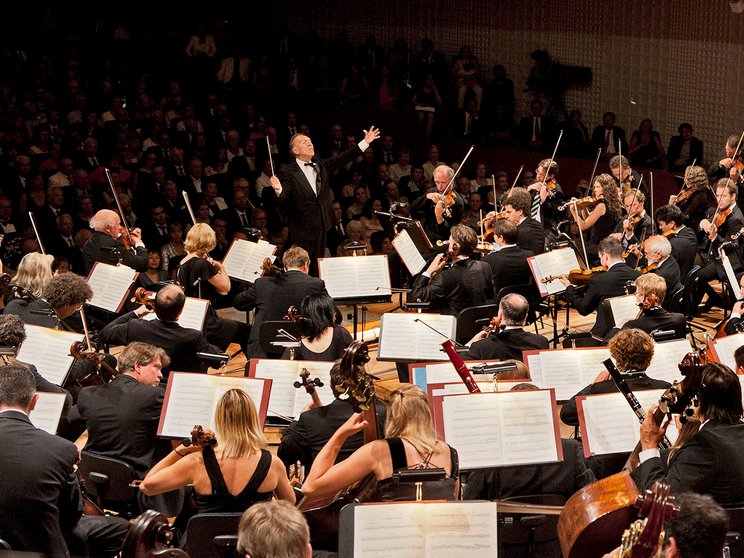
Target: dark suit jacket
x,y
95,250
122,420
733,224
180,343
270,297
524,132
598,138
711,462
509,267
531,236
37,312
603,285
467,283
675,149
656,319
669,270
684,249
40,492
508,344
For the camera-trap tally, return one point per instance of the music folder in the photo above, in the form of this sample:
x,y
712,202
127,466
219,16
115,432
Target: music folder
x,y
49,350
552,264
110,285
244,259
723,349
47,412
352,277
405,337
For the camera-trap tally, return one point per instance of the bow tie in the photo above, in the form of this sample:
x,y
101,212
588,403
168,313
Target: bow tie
x,y
310,165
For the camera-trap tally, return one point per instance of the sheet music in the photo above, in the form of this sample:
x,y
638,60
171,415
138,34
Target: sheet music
x,y
244,259
442,373
45,416
557,262
568,370
404,337
192,399
667,356
285,399
624,308
730,275
49,350
110,285
192,317
425,530
408,252
355,276
497,429
484,385
609,425
725,348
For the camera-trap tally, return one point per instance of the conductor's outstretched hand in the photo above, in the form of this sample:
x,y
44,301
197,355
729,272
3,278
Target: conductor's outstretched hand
x,y
372,134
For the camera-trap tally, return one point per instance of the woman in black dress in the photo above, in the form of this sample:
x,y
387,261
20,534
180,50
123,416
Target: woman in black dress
x,y
321,338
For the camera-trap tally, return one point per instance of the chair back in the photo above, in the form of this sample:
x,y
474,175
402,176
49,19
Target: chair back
x,y
471,320
268,332
210,535
688,306
676,299
527,526
528,291
108,480
735,535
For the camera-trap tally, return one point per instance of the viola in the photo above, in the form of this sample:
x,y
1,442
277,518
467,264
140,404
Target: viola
x,y
688,192
668,234
94,378
310,386
649,301
578,276
144,297
721,217
269,269
8,288
293,314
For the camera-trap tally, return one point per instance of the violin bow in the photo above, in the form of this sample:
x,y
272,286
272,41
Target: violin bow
x,y
188,206
728,181
271,160
651,193
36,232
516,179
493,185
454,176
118,204
594,170
550,164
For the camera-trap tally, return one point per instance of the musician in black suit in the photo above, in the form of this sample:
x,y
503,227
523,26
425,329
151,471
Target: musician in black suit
x,y
658,252
509,262
637,225
466,283
632,350
104,246
180,343
694,198
719,237
510,339
735,323
531,232
711,461
437,219
271,297
603,285
303,189
650,291
721,167
670,221
41,496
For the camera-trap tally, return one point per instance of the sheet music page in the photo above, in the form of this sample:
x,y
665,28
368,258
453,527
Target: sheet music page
x,y
725,348
534,363
497,429
624,308
568,371
193,398
244,259
192,317
442,373
285,399
431,530
484,385
730,275
611,425
110,285
408,252
557,262
355,276
49,350
45,416
665,362
404,337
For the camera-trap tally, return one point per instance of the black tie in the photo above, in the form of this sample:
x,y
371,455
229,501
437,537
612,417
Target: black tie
x,y
243,219
317,177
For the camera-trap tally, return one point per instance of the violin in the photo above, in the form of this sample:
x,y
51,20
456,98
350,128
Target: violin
x,y
493,326
310,386
669,233
94,378
578,276
144,297
721,217
293,314
590,202
269,269
201,438
649,268
9,288
125,237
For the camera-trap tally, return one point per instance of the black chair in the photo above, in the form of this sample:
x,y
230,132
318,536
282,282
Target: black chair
x,y
676,300
735,535
471,320
527,526
528,291
268,335
109,482
213,535
688,306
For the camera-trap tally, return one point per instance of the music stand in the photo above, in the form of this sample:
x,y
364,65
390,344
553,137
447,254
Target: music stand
x,y
417,234
273,342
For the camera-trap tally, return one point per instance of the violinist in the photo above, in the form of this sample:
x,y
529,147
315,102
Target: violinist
x,y
508,262
270,297
726,159
509,338
603,285
650,291
601,219
107,243
711,461
517,210
720,223
659,258
464,283
625,177
637,226
695,197
549,192
432,207
670,220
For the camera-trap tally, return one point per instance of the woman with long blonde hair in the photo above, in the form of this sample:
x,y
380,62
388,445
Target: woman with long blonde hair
x,y
34,272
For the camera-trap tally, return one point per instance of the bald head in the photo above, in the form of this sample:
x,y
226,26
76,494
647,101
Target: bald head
x,y
169,303
107,222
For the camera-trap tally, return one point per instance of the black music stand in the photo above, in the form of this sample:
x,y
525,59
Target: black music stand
x,y
273,342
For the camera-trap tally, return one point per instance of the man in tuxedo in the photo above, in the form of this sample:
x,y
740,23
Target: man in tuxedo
x,y
670,220
603,285
303,189
531,233
637,224
658,252
105,245
725,160
337,233
608,136
63,244
180,343
155,230
271,297
431,208
41,496
511,339
509,261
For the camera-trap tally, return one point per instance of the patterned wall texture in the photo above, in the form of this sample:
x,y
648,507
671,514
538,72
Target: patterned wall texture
x,y
668,60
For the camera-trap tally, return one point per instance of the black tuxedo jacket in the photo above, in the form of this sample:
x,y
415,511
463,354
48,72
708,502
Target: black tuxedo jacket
x,y
152,237
603,285
598,138
669,270
180,343
531,236
656,319
675,149
96,250
122,421
509,267
711,462
684,249
270,297
733,224
37,312
40,492
507,344
467,283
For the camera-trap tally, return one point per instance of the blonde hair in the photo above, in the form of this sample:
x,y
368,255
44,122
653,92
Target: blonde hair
x,y
650,283
274,529
410,418
237,426
200,240
34,272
